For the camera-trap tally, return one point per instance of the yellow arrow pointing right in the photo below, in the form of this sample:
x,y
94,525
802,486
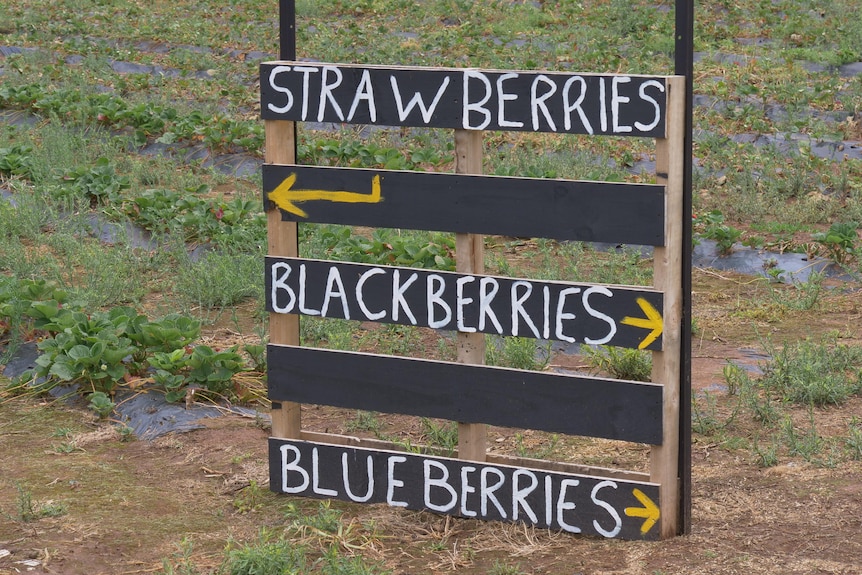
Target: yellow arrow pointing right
x,y
649,511
653,321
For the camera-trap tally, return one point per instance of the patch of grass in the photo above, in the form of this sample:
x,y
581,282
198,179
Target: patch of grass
x,y
853,441
333,333
334,562
218,280
326,519
517,353
501,568
249,499
815,373
441,433
269,555
801,296
704,417
621,363
366,421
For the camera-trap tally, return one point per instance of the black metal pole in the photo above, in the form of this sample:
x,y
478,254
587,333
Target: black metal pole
x,y
684,66
287,29
287,46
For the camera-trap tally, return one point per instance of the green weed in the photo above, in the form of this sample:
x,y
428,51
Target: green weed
x,y
704,418
853,441
441,434
249,499
269,555
325,519
181,562
334,562
620,363
766,456
27,509
218,280
813,373
801,296
501,568
366,421
517,353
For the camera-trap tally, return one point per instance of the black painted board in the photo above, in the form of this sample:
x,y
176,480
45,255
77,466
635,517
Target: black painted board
x,y
572,313
519,207
470,99
581,504
544,401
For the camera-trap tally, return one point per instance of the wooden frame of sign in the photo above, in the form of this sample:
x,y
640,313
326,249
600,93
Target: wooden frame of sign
x,y
476,483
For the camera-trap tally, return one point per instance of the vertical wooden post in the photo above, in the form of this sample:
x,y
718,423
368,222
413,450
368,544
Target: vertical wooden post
x,y
470,259
282,240
664,458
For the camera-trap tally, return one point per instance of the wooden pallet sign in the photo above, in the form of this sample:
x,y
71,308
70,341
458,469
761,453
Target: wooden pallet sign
x,y
474,483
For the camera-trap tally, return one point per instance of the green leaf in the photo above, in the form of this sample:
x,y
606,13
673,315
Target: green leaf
x,y
80,353
63,371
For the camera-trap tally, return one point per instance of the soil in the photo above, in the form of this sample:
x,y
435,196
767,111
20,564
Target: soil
x,y
139,506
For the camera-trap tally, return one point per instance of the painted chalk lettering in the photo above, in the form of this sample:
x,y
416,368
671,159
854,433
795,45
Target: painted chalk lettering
x,y
559,501
470,99
591,314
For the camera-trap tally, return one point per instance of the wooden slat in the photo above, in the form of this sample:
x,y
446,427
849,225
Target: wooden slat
x,y
596,407
664,459
518,207
282,241
568,312
470,259
547,499
561,102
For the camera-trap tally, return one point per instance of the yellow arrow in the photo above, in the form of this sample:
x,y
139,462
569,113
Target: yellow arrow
x,y
649,511
652,321
284,197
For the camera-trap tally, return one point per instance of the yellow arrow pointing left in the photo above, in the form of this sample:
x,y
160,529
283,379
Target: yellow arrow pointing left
x,y
649,511
653,321
284,197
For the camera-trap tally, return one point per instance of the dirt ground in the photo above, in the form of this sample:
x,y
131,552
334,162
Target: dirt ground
x,y
132,507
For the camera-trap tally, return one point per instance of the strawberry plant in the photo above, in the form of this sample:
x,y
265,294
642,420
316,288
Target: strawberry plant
x,y
85,349
172,332
711,226
839,242
99,183
27,305
101,403
213,369
198,219
16,160
390,247
202,368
